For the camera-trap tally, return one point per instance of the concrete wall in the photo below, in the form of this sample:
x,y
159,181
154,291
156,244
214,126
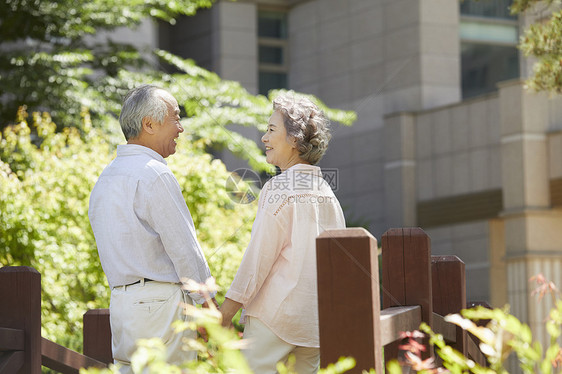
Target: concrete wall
x,y
458,148
458,153
144,37
191,37
373,57
235,57
222,39
235,43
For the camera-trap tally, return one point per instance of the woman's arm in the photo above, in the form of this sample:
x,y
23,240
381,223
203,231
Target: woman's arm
x,y
228,309
270,235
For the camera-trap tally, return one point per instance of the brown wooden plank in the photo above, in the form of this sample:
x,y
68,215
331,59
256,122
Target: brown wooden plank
x,y
97,335
64,360
393,291
11,339
406,268
348,298
393,286
20,292
417,254
11,362
448,330
449,292
474,352
397,319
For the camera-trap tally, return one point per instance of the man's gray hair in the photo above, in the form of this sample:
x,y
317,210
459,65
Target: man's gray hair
x,y
143,101
306,123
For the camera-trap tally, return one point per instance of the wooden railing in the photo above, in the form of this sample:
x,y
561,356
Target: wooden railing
x,y
22,349
415,287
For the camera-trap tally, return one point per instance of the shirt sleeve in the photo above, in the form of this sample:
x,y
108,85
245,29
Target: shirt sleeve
x,y
170,218
270,234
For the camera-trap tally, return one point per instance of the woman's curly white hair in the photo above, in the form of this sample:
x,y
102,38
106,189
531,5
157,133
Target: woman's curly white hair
x,y
306,123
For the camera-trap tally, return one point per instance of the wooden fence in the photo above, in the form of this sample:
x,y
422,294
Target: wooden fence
x,y
22,349
415,287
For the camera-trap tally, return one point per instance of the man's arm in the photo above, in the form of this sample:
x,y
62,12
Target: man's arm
x,y
171,219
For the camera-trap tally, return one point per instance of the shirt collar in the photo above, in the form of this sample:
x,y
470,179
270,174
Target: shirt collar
x,y
136,149
306,168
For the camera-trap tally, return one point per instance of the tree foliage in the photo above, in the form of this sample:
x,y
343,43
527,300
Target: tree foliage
x,y
543,40
48,64
48,61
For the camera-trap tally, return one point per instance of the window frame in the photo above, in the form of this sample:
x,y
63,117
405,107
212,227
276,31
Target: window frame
x,y
282,43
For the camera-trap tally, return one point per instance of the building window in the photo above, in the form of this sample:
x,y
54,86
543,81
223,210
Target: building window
x,y
488,8
272,50
489,35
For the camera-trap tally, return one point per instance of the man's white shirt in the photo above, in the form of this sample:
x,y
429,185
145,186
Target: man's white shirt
x,y
141,223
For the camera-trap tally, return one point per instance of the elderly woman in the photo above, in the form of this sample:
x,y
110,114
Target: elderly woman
x,y
276,281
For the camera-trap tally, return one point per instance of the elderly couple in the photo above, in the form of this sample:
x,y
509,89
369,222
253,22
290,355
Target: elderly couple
x,y
147,242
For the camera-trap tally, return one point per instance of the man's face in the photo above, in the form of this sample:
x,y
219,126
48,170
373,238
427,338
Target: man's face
x,y
169,130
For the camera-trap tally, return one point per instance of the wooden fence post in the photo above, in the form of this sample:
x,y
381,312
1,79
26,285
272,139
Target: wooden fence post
x,y
406,275
97,335
348,298
449,292
20,308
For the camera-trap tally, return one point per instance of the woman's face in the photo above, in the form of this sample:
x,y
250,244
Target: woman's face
x,y
279,149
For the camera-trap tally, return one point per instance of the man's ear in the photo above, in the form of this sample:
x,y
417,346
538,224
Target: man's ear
x,y
148,125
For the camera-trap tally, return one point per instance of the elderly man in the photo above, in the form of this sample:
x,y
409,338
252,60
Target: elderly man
x,y
144,232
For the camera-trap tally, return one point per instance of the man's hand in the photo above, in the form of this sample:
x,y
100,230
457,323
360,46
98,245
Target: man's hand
x,y
228,309
206,304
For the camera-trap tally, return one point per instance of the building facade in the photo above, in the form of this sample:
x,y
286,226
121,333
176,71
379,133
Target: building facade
x,y
447,138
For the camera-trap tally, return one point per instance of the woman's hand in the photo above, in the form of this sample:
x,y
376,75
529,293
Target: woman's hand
x,y
228,309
